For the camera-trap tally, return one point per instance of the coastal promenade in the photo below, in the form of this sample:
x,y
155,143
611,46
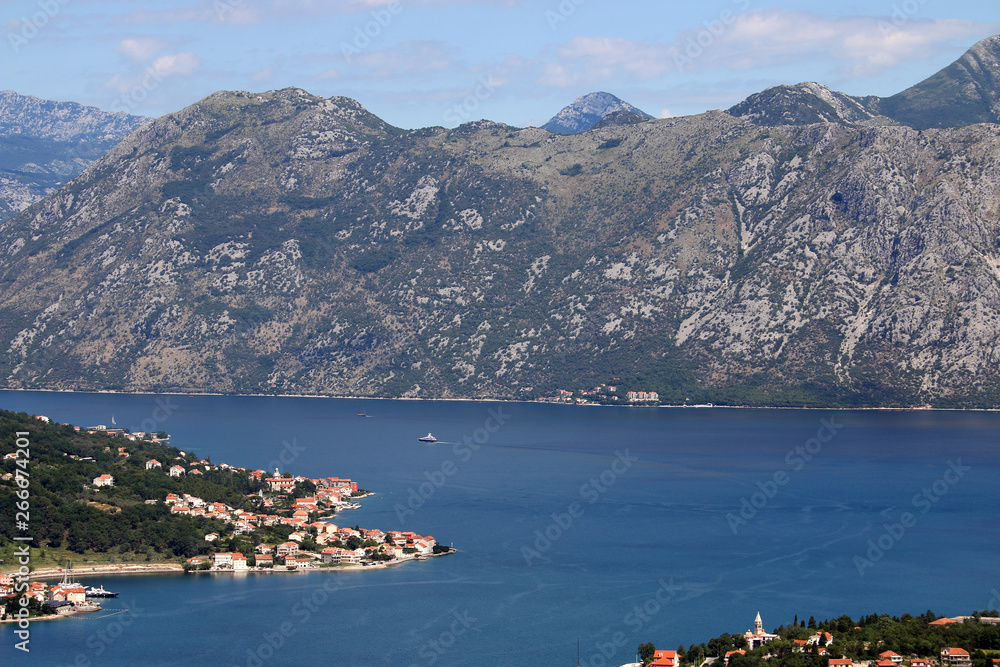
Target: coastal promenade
x,y
154,568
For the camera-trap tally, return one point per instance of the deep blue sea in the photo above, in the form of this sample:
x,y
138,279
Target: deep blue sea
x,y
611,526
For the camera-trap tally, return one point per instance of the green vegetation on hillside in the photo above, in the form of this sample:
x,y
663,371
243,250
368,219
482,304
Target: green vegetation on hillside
x,y
71,518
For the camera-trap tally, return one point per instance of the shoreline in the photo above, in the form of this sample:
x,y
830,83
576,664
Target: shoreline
x,y
102,570
174,568
912,408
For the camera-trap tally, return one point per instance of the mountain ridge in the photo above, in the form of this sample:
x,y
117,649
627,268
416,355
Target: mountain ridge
x,y
963,93
281,242
44,143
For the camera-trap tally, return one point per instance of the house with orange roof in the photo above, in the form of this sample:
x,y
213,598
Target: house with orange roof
x,y
920,662
820,639
104,480
664,659
731,653
175,471
841,662
955,656
884,662
264,560
943,621
37,590
286,549
153,463
891,655
68,593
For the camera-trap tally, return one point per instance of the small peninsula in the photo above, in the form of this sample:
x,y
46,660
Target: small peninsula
x,y
114,502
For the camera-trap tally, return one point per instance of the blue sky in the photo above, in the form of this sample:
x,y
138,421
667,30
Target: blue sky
x,y
418,63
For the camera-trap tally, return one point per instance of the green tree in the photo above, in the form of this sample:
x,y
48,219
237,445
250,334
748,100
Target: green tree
x,y
646,652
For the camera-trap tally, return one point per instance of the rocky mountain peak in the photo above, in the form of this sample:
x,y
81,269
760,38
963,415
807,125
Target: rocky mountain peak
x,y
963,93
802,104
587,111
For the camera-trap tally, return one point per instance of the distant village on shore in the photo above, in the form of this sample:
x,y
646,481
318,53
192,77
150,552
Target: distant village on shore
x,y
814,643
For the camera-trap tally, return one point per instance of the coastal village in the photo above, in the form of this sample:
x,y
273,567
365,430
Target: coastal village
x,y
299,509
602,394
814,643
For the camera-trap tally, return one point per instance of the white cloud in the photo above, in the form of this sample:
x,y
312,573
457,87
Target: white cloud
x,y
179,63
237,12
418,57
865,45
665,113
140,49
593,59
855,45
264,74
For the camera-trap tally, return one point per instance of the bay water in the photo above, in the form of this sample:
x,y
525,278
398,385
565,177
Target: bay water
x,y
611,526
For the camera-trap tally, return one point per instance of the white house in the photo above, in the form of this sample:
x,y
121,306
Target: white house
x,y
955,656
176,471
820,639
153,463
104,480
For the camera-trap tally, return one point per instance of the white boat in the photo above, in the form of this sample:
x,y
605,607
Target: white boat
x,y
100,592
427,438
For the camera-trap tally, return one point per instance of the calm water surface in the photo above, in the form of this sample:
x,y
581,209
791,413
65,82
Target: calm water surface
x,y
667,526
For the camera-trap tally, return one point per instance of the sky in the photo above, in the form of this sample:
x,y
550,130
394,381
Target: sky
x,y
419,63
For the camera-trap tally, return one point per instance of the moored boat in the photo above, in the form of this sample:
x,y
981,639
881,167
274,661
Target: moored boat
x,y
100,592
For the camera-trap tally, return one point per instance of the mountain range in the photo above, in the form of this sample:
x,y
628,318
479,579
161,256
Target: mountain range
x,y
803,248
43,144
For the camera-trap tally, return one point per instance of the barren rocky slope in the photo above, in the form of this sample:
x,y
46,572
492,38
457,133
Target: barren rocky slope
x,y
288,243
